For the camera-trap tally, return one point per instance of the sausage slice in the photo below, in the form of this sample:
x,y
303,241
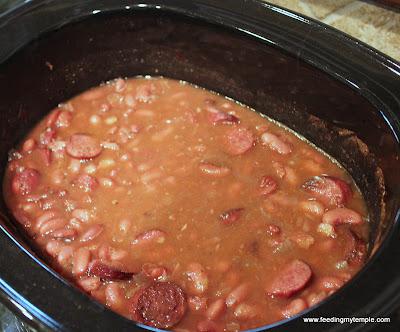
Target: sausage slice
x,y
161,305
329,189
291,279
82,146
238,141
25,182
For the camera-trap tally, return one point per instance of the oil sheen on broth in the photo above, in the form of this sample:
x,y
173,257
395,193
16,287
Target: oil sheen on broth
x,y
183,210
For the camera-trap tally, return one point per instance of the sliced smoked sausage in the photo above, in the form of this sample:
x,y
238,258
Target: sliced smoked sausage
x,y
25,182
82,146
161,305
291,279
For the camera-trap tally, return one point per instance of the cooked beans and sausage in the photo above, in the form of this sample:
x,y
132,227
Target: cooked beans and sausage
x,y
183,210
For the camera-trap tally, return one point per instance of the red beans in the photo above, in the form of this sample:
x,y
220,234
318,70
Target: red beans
x,y
330,190
237,295
198,277
246,311
82,146
294,307
238,141
197,303
216,309
154,271
25,182
28,145
87,182
292,278
231,216
107,272
214,170
341,216
161,305
64,119
92,232
47,136
153,235
275,143
52,225
216,116
80,261
267,185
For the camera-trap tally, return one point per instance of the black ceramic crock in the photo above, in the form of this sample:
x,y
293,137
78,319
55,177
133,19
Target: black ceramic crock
x,y
337,92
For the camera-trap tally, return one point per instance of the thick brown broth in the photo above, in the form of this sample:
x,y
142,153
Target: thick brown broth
x,y
147,189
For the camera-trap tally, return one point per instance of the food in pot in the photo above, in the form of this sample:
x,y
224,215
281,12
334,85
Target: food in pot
x,y
181,209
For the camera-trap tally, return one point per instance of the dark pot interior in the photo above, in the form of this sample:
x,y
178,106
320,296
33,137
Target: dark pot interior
x,y
350,110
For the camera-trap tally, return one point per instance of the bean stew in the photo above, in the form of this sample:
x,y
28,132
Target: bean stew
x,y
182,209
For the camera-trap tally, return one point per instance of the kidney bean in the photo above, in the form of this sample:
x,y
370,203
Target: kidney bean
x,y
214,170
64,233
107,272
231,216
89,284
238,141
52,225
279,169
92,232
63,119
114,295
315,298
25,182
237,295
155,272
153,235
197,303
53,247
267,185
275,143
216,116
246,311
47,136
198,277
215,309
83,146
207,326
294,307
313,207
65,255
80,261
292,278
120,85
341,216
81,214
330,190
110,253
46,216
87,182
28,145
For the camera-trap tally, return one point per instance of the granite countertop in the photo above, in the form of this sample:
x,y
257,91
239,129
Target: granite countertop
x,y
369,21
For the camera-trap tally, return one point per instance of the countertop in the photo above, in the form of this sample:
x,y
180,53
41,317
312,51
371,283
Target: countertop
x,y
375,24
